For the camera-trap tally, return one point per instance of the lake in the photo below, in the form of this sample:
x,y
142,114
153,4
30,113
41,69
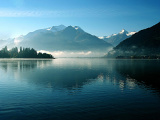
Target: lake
x,y
79,89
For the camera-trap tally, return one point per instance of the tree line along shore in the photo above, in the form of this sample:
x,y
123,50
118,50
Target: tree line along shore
x,y
23,53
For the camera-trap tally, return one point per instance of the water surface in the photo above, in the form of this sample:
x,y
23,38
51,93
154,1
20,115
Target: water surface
x,y
79,89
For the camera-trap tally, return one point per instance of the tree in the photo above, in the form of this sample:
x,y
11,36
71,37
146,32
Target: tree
x,y
23,53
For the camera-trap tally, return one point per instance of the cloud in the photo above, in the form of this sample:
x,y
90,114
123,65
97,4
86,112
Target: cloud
x,y
42,13
17,40
30,13
59,13
85,53
73,53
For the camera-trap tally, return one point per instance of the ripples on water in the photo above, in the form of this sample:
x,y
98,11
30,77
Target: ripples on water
x,y
79,89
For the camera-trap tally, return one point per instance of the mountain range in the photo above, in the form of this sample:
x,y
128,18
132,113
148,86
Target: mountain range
x,y
61,38
143,43
115,39
73,39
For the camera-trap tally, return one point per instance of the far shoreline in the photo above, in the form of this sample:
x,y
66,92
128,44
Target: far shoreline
x,y
27,58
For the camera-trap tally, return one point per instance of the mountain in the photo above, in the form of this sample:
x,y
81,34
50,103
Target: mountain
x,y
115,39
56,28
144,43
61,38
51,29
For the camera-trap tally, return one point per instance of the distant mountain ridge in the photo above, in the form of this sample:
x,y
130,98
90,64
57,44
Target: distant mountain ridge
x,y
115,39
51,29
144,43
61,38
56,28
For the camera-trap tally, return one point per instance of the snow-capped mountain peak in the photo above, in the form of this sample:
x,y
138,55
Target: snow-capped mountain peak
x,y
101,37
123,31
107,36
56,28
113,34
130,33
115,39
51,29
76,27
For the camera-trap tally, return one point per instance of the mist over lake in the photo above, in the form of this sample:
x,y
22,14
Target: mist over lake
x,y
79,88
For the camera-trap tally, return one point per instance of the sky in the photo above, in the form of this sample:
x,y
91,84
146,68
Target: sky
x,y
97,17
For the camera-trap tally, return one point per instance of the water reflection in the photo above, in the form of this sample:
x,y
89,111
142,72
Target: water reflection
x,y
56,74
145,72
22,64
117,80
75,73
78,89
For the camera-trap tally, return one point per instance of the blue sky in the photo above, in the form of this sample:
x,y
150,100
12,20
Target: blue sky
x,y
98,17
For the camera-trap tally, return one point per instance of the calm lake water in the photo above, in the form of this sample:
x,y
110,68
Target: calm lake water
x,y
79,89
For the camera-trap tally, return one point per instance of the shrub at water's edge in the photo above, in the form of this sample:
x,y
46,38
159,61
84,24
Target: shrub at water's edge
x,y
23,53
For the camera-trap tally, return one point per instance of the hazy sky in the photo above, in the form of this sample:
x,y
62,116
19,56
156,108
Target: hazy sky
x,y
98,17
